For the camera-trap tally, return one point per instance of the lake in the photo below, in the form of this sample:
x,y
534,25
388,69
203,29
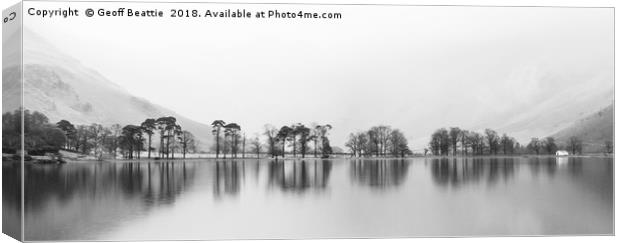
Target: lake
x,y
315,198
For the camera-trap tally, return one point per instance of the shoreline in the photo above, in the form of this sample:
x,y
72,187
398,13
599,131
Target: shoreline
x,y
39,160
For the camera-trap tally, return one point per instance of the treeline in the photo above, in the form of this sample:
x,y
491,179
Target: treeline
x,y
455,141
378,141
574,145
231,139
130,140
40,136
96,139
298,138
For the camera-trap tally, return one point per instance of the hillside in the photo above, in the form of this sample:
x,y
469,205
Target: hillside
x,y
594,130
63,88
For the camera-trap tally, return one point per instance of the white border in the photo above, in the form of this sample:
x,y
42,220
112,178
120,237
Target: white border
x,y
568,3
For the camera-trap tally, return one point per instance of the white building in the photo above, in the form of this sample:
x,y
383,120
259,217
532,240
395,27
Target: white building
x,y
561,153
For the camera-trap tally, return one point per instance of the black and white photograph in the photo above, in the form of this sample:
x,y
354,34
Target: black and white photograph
x,y
141,121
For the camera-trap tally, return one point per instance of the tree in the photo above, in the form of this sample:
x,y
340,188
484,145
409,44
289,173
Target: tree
x,y
435,143
188,142
293,137
83,144
375,141
106,135
314,137
217,129
131,140
362,144
39,135
575,145
476,141
507,144
535,145
232,130
380,135
175,136
304,133
168,128
323,131
455,134
384,136
110,140
95,132
243,149
326,148
69,130
52,137
464,141
492,140
116,130
256,146
440,142
352,144
283,134
358,144
549,145
271,133
398,144
11,131
148,126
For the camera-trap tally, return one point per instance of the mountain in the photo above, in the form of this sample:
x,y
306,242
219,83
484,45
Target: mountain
x,y
63,88
546,101
594,130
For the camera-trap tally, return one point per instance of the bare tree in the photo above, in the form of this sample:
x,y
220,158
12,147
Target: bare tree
x,y
492,140
256,146
272,138
535,145
455,134
575,145
188,142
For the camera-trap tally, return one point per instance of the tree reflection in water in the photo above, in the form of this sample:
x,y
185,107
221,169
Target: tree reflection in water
x,y
379,173
57,195
11,198
460,171
299,176
228,178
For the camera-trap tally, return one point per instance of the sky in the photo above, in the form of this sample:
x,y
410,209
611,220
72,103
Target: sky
x,y
413,68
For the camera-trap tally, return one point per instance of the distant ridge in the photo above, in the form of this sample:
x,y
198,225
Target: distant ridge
x,y
63,88
594,130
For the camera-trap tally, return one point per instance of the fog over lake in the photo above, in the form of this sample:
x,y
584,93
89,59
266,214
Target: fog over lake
x,y
511,69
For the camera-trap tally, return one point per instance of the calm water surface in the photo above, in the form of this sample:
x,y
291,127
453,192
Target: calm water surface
x,y
316,198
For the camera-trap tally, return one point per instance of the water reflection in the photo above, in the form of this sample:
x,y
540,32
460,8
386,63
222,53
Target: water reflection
x,y
299,176
228,177
97,194
158,182
92,201
379,173
548,165
11,195
460,171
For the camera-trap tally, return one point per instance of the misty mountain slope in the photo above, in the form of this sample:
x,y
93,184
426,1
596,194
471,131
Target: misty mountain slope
x,y
62,88
538,113
594,130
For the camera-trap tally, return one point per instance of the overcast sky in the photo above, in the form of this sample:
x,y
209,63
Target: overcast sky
x,y
414,68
